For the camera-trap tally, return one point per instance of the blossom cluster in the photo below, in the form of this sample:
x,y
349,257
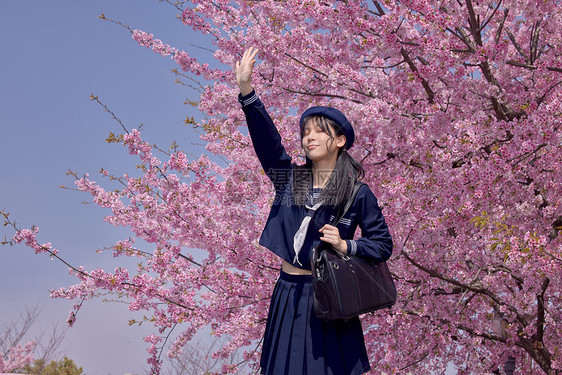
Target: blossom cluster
x,y
17,357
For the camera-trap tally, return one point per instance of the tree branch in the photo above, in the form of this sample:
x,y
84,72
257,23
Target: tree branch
x,y
515,44
492,16
500,27
540,310
321,95
475,28
103,17
96,98
306,65
532,67
425,84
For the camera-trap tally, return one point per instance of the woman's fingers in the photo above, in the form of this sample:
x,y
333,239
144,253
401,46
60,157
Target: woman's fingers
x,y
252,53
244,69
329,228
248,52
331,235
246,57
249,57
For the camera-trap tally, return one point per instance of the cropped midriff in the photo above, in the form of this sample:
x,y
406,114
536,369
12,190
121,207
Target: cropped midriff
x,y
292,270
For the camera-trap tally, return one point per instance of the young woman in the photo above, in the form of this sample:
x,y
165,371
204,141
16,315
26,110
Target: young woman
x,y
307,199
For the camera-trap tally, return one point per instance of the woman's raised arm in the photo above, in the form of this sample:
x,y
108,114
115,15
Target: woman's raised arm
x,y
265,138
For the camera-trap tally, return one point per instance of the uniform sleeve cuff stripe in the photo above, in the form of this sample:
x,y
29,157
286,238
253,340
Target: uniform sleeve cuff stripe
x,y
353,247
249,101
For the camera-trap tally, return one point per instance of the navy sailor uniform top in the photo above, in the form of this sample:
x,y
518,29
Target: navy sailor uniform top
x,y
286,216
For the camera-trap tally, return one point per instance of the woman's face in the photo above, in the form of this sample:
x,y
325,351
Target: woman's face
x,y
318,144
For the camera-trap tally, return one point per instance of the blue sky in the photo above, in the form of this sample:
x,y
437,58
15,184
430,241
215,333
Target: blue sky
x,y
55,54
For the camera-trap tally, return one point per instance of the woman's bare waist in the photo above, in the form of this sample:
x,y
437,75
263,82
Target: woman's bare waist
x,y
292,270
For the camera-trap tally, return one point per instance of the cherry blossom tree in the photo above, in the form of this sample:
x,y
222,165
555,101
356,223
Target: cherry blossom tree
x,y
197,358
457,107
19,347
17,357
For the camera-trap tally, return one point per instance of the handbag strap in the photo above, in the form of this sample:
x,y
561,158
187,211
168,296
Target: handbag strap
x,y
337,218
342,212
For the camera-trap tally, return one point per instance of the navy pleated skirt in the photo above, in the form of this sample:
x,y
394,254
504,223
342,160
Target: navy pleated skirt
x,y
297,342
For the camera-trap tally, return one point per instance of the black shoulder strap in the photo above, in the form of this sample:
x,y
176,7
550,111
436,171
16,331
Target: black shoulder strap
x,y
341,212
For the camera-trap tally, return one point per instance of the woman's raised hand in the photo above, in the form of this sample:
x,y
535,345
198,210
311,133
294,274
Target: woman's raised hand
x,y
244,69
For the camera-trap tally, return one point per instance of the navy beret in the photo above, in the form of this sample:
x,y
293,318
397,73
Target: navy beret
x,y
334,115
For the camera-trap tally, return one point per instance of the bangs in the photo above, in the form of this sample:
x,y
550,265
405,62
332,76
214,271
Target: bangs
x,y
321,122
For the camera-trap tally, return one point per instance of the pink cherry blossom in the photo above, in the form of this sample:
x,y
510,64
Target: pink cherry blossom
x,y
16,357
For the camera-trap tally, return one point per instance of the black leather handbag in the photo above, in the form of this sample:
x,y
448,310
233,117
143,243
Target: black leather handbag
x,y
345,286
